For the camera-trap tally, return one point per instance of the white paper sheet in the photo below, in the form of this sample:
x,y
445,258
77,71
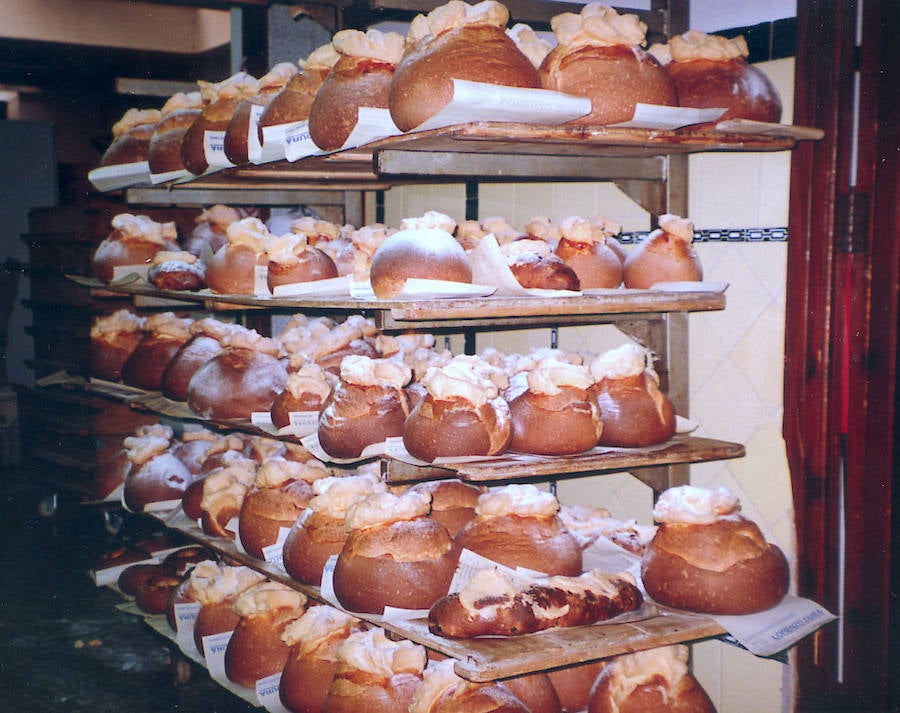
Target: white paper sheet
x,y
123,175
653,116
214,149
479,101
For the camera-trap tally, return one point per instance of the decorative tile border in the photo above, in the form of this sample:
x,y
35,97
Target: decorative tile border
x,y
722,235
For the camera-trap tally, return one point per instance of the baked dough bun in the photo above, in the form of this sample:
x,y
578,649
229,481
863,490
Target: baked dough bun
x,y
476,51
720,564
654,681
425,253
667,254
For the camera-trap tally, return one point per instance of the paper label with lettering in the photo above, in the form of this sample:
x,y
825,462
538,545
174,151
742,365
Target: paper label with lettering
x,y
214,149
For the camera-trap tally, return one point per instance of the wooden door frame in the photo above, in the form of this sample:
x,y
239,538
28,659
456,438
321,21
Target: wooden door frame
x,y
841,347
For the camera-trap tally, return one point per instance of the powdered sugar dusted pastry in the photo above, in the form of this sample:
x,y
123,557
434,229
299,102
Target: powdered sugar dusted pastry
x,y
134,240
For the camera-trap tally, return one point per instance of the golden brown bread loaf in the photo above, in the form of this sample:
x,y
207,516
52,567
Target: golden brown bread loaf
x,y
452,502
573,685
134,240
293,102
178,113
177,270
219,103
598,56
462,414
243,378
442,691
314,639
292,260
232,268
586,246
113,339
224,490
707,557
215,587
255,649
653,681
633,409
360,78
237,133
665,255
518,526
425,253
394,555
306,390
206,341
536,691
711,71
383,673
152,595
319,533
164,335
455,41
551,410
131,137
280,494
367,406
492,604
534,265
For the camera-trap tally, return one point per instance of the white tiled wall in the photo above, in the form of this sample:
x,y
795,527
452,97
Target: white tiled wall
x,y
736,355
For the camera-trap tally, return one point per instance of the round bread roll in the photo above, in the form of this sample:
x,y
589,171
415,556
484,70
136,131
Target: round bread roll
x,y
160,479
585,248
573,685
177,271
204,344
456,427
146,365
214,618
614,78
360,78
518,526
632,408
178,113
707,557
312,664
293,102
563,423
152,596
743,89
536,691
598,55
548,272
306,391
665,255
182,560
216,591
255,649
477,51
405,563
319,533
182,594
442,691
312,264
134,576
131,137
192,497
310,543
219,103
232,270
266,510
134,240
452,502
235,383
367,406
424,253
654,681
711,71
383,673
113,338
237,134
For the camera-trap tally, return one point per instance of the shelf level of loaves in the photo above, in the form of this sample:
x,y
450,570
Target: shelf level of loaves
x,y
493,658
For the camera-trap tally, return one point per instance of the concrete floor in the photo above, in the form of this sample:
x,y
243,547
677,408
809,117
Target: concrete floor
x,y
64,647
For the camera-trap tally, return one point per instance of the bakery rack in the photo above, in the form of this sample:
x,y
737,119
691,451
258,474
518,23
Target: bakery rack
x,y
639,162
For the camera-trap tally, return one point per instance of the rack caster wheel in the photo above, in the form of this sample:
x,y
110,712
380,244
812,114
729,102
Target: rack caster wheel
x,y
48,506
